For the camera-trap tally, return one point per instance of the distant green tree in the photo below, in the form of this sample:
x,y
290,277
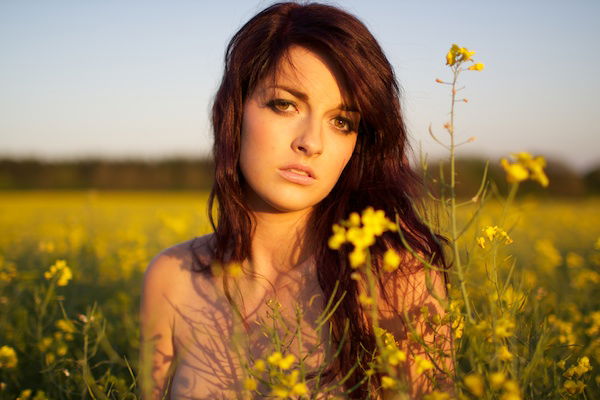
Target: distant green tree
x,y
564,181
592,180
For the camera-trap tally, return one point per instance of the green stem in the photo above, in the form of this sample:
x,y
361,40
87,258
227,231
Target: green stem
x,y
373,294
509,200
457,261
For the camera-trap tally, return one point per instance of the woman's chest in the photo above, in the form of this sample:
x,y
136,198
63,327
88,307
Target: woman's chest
x,y
217,343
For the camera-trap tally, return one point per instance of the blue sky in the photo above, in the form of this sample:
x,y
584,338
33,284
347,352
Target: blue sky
x,y
136,78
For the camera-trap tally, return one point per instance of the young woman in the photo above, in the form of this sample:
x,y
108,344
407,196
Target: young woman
x,y
307,129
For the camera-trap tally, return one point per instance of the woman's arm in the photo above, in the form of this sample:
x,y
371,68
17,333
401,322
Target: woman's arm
x,y
156,320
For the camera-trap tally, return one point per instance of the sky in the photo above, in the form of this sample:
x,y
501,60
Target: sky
x,y
119,79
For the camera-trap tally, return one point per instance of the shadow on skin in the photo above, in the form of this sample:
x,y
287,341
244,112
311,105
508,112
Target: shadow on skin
x,y
408,295
205,362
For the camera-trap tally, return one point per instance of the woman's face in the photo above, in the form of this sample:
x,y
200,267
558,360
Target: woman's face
x,y
297,135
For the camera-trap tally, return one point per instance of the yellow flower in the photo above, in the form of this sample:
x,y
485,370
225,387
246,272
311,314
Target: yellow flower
x,y
234,269
466,54
300,389
422,364
365,300
250,384
474,383
357,257
497,379
360,237
396,357
391,260
477,67
511,391
574,387
512,296
574,260
481,242
60,269
504,354
537,173
458,325
8,357
287,361
514,172
280,392
274,358
8,270
62,350
388,382
583,366
374,223
490,232
44,344
437,395
65,277
525,167
450,59
50,357
259,366
452,54
338,238
459,55
504,327
65,326
354,219
25,394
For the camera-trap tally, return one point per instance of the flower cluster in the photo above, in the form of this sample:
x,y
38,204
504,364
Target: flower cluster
x,y
388,355
457,318
491,233
573,385
504,327
525,167
8,357
361,231
283,385
582,366
8,270
61,271
458,55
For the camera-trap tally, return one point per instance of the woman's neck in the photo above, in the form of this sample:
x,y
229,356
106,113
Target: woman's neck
x,y
279,243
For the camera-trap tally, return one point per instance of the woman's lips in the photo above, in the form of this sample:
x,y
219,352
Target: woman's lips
x,y
299,175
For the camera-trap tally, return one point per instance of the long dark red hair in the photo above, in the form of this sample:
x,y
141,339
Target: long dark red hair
x,y
377,175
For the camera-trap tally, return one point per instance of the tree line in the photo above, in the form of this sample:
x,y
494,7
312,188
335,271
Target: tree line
x,y
197,174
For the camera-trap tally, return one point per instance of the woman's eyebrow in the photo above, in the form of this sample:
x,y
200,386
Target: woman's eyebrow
x,y
304,97
295,92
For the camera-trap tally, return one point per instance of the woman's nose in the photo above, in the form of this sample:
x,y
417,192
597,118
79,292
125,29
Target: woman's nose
x,y
309,138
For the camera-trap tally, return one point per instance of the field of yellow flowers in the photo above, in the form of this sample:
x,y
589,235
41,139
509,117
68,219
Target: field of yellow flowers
x,y
523,304
70,276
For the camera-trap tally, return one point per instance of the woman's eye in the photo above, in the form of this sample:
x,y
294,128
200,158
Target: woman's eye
x,y
343,124
281,105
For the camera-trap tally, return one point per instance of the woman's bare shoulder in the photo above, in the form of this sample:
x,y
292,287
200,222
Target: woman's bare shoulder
x,y
179,261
